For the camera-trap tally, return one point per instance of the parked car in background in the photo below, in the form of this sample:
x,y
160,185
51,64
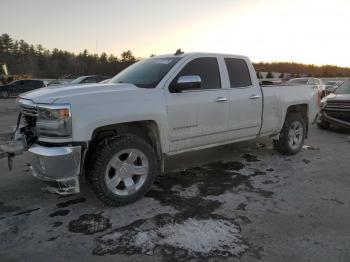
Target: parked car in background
x,y
331,86
20,86
120,132
106,81
310,81
89,79
335,109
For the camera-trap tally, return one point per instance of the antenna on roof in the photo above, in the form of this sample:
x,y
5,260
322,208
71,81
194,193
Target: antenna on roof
x,y
179,52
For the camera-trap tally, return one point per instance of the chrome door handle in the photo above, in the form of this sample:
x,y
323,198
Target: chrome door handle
x,y
254,97
221,99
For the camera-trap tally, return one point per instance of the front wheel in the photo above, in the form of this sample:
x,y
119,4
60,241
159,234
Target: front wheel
x,y
292,136
123,171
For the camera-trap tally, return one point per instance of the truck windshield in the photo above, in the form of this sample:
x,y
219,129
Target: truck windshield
x,y
343,89
146,73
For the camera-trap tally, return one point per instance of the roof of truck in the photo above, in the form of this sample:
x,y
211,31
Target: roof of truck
x,y
200,54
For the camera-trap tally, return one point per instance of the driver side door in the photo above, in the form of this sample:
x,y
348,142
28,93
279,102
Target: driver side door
x,y
199,117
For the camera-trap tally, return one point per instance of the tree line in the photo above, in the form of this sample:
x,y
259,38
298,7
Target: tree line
x,y
297,69
24,58
39,62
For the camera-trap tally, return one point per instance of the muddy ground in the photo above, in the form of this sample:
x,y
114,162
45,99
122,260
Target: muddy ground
x,y
241,202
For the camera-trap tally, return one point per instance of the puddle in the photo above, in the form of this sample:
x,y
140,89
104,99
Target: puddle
x,y
181,240
52,239
71,202
250,158
57,224
199,182
60,213
8,209
26,212
241,206
306,161
89,224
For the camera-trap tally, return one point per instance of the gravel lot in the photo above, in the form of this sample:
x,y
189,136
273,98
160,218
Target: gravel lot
x,y
241,202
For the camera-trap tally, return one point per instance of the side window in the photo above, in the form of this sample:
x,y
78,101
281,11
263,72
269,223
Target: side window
x,y
312,82
38,84
91,79
238,72
206,68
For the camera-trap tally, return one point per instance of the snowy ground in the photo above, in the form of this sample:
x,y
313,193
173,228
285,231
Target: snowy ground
x,y
242,202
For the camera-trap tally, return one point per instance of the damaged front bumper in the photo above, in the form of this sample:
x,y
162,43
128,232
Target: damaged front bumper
x,y
324,117
59,167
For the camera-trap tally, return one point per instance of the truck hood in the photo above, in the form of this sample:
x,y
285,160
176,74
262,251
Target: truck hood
x,y
338,97
49,95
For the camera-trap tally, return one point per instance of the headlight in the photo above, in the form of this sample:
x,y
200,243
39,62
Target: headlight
x,y
54,121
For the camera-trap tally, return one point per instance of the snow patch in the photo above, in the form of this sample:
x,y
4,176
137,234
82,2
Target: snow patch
x,y
199,238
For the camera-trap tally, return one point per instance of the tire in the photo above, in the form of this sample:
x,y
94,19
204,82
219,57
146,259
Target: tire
x,y
113,175
292,136
5,94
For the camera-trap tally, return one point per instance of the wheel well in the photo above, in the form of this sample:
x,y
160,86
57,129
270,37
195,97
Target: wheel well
x,y
148,130
300,109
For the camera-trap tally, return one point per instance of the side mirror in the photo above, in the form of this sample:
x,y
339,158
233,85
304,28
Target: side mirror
x,y
186,83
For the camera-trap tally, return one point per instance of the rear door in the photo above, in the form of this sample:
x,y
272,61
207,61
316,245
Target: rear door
x,y
198,117
245,99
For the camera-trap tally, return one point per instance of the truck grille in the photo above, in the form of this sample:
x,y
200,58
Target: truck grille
x,y
30,114
339,110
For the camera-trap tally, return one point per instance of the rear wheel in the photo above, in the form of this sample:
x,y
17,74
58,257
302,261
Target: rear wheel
x,y
292,136
123,171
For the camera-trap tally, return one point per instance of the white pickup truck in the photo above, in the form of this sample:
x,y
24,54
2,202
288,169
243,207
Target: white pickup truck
x,y
117,134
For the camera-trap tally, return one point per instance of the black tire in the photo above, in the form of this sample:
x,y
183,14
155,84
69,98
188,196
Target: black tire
x,y
282,145
104,153
5,94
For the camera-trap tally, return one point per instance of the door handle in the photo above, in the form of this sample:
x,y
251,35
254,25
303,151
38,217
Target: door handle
x,y
221,99
254,97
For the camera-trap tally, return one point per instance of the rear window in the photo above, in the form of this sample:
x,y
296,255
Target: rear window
x,y
238,72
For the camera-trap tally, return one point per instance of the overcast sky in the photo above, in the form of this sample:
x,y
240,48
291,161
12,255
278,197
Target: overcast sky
x,y
305,31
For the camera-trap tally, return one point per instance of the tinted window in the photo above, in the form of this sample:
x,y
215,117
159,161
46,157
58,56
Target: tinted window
x,y
37,84
206,68
238,72
91,79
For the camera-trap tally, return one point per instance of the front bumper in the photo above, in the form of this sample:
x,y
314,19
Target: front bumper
x,y
58,166
323,117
